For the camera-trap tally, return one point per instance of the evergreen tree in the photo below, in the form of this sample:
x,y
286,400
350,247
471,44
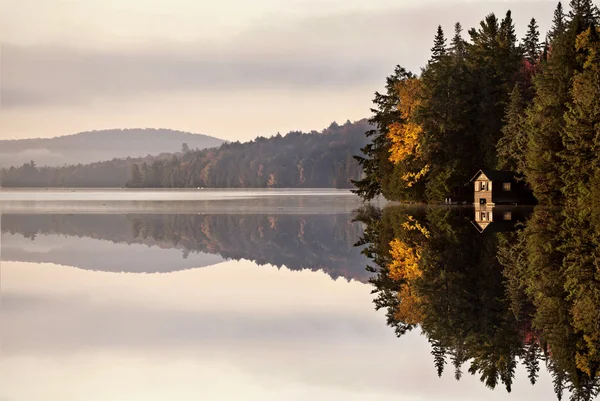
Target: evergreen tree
x,y
583,14
545,167
494,61
558,23
531,359
446,116
581,138
458,44
439,356
375,163
512,144
439,46
531,43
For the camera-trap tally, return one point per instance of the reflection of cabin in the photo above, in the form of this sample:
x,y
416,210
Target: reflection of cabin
x,y
498,218
485,215
493,187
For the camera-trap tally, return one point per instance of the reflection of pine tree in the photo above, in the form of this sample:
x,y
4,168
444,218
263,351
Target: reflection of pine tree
x,y
532,354
439,356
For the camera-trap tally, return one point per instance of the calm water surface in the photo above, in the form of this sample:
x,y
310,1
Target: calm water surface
x,y
266,298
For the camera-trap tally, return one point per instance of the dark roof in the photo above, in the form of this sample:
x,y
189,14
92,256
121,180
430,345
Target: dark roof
x,y
496,175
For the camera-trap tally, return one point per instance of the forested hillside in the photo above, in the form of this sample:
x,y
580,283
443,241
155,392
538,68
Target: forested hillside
x,y
296,160
95,146
531,106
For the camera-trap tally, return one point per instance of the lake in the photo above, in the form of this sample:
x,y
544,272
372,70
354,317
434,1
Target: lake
x,y
265,295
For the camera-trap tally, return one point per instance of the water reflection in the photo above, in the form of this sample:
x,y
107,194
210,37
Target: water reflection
x,y
299,327
316,242
492,291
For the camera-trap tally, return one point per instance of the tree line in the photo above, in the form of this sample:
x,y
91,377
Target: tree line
x,y
531,106
490,302
296,160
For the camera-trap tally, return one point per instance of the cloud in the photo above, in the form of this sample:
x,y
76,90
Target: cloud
x,y
328,52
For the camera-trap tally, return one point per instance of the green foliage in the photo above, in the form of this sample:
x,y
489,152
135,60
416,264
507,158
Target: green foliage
x,y
514,135
375,163
531,43
491,102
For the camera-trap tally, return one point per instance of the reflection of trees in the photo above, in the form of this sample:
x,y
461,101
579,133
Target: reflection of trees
x,y
316,242
488,302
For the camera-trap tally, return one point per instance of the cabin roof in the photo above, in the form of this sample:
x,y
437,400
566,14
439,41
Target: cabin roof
x,y
495,175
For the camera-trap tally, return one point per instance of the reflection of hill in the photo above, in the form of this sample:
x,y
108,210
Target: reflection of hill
x,y
316,242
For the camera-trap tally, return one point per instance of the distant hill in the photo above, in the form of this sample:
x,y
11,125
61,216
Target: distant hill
x,y
94,146
297,160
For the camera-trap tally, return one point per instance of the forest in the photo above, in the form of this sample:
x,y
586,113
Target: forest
x,y
296,160
489,302
531,106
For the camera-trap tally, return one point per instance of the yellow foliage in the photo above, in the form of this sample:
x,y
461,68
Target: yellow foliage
x,y
405,261
409,92
413,178
412,225
409,311
405,136
589,356
405,266
405,140
584,42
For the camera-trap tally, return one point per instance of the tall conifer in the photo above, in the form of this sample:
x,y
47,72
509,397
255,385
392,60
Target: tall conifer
x,y
531,42
439,46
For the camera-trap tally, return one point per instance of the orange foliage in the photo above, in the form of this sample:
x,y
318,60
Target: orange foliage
x,y
405,266
410,310
405,135
405,261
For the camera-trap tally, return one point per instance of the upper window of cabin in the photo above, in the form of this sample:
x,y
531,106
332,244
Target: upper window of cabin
x,y
506,186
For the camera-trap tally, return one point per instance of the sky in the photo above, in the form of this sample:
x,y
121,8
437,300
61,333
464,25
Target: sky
x,y
234,69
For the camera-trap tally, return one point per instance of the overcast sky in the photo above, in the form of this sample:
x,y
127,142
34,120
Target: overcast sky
x,y
234,69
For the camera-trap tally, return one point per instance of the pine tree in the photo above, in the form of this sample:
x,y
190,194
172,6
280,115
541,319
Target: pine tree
x,y
494,61
508,37
439,46
375,162
446,115
546,167
558,23
531,43
531,359
439,356
512,144
583,14
458,44
581,138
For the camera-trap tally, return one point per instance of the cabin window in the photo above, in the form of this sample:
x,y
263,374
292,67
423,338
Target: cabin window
x,y
483,186
506,186
507,216
483,216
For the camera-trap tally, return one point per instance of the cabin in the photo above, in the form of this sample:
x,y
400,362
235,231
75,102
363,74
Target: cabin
x,y
494,187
